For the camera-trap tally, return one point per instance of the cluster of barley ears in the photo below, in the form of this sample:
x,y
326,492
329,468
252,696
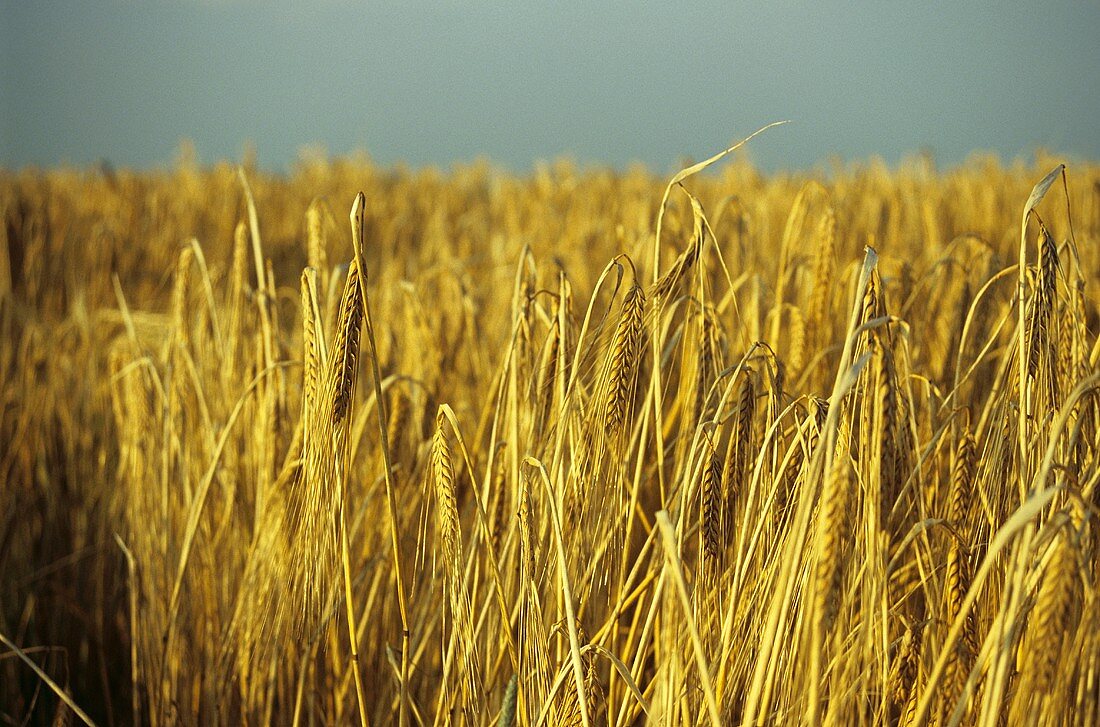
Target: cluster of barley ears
x,y
573,448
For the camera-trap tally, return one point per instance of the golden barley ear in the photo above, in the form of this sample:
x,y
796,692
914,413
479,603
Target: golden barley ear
x,y
833,528
625,355
891,472
450,536
740,449
961,493
823,265
181,296
1052,613
443,478
567,708
345,353
707,361
398,414
902,678
1042,304
663,289
956,585
312,346
711,510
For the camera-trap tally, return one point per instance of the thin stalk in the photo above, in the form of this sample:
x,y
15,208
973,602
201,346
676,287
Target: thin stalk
x,y
353,632
357,217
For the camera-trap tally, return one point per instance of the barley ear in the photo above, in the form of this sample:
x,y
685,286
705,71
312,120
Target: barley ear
x,y
625,354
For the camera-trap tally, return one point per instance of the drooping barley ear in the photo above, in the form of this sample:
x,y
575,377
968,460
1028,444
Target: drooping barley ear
x,y
450,539
548,372
625,354
746,403
886,406
833,529
843,445
1084,448
345,352
712,506
311,359
1041,306
962,483
525,319
315,500
873,307
238,284
296,581
528,546
568,708
1048,624
397,421
1048,264
956,584
1070,331
181,296
508,704
796,350
821,413
777,378
909,711
902,678
535,658
443,478
443,482
498,524
804,446
740,449
707,362
663,289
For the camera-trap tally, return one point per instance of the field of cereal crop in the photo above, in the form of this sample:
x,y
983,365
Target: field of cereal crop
x,y
575,447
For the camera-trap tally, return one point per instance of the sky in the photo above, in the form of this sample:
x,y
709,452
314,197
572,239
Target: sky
x,y
438,83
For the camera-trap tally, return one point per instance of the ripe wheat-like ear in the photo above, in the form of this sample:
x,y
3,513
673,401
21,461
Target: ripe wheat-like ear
x,y
625,356
345,351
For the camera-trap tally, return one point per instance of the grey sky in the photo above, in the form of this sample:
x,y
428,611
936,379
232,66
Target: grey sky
x,y
434,83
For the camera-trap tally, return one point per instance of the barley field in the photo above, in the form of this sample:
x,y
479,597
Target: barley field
x,y
366,445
